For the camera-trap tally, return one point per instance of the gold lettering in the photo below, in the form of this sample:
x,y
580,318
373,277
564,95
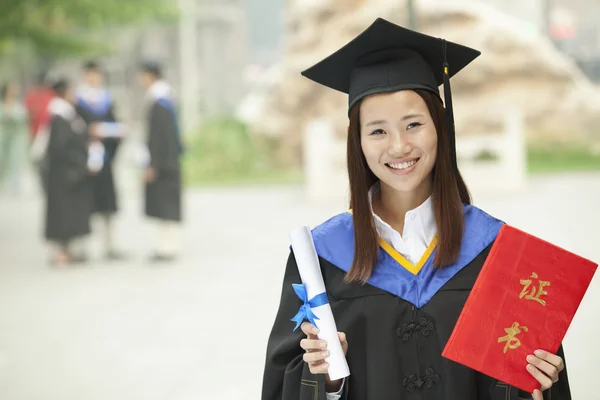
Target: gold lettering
x,y
511,341
535,293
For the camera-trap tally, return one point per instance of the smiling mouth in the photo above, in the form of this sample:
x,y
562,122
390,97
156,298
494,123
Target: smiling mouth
x,y
402,165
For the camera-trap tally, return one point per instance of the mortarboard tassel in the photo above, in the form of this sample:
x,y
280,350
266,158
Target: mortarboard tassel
x,y
449,110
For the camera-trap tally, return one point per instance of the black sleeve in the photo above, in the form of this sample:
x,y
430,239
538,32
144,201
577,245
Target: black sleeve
x,y
83,113
68,149
66,145
286,375
486,386
163,141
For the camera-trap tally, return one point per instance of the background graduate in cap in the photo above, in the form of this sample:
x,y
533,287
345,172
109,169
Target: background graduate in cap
x,y
96,107
162,170
397,294
73,154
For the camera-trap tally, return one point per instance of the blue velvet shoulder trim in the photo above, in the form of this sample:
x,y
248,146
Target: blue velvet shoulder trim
x,y
334,242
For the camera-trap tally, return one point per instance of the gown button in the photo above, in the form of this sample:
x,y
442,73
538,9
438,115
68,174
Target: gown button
x,y
411,382
405,335
406,331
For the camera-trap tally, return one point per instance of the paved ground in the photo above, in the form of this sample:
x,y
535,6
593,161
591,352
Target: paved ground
x,y
198,329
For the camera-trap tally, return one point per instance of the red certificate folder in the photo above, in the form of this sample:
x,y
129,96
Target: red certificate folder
x,y
524,299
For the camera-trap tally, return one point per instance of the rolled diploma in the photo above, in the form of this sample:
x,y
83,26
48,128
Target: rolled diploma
x,y
95,160
110,129
310,272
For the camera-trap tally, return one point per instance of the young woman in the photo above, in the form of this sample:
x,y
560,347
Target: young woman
x,y
73,155
399,266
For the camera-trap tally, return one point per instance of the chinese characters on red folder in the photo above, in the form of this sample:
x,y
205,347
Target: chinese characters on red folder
x,y
512,342
524,299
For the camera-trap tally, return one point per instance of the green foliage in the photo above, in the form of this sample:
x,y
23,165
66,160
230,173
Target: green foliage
x,y
486,155
561,158
61,27
222,152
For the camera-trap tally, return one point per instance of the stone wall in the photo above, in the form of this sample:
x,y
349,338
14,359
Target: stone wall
x,y
517,68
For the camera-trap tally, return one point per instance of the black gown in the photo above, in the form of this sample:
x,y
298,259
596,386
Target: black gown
x,y
105,194
163,195
69,195
395,346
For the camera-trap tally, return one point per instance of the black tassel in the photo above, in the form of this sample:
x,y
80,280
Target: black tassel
x,y
449,110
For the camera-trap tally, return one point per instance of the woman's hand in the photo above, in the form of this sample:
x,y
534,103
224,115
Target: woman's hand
x,y
544,367
150,175
94,130
316,353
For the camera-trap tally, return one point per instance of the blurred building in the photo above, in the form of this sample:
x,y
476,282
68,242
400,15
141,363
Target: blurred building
x,y
204,55
571,24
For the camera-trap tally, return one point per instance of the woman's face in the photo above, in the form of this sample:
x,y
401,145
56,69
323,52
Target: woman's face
x,y
145,79
399,139
94,78
70,95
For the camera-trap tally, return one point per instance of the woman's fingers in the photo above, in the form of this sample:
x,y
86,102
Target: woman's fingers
x,y
540,376
313,344
343,341
548,369
316,349
550,358
315,356
537,395
309,330
320,367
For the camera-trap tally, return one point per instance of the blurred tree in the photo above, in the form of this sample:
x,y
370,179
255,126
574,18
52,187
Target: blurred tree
x,y
63,27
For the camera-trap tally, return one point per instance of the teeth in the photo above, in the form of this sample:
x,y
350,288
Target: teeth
x,y
403,165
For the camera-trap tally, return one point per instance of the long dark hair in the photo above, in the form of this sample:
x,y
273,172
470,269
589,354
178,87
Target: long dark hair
x,y
449,193
61,86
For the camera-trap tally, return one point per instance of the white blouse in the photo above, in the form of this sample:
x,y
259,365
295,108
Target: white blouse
x,y
419,229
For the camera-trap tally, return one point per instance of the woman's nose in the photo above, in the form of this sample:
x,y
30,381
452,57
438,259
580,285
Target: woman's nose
x,y
398,145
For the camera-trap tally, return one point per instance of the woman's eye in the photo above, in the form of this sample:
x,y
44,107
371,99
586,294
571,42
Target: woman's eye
x,y
377,132
414,125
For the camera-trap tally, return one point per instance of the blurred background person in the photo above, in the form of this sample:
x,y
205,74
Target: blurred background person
x,y
94,103
37,100
73,155
163,172
13,137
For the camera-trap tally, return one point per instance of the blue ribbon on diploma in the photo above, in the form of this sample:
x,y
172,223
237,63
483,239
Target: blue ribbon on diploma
x,y
305,311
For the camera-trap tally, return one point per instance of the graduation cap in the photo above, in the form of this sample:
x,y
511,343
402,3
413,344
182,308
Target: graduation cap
x,y
387,58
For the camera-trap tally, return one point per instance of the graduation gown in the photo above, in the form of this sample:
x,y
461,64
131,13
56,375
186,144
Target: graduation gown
x,y
69,196
163,195
397,324
102,110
